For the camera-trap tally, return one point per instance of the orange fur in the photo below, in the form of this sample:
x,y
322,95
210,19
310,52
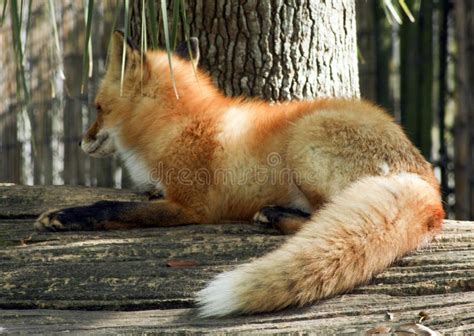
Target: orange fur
x,y
372,195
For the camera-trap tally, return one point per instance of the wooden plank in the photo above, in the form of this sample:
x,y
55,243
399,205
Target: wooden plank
x,y
127,270
29,201
348,314
123,269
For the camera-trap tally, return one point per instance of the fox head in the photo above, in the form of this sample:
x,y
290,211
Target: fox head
x,y
145,75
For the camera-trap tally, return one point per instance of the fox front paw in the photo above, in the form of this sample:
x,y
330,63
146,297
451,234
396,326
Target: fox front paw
x,y
83,218
49,221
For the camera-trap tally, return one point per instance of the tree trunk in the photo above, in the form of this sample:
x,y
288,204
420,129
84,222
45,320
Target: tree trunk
x,y
276,50
464,140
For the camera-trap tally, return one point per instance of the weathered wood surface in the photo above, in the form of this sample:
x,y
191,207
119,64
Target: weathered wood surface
x,y
28,201
49,282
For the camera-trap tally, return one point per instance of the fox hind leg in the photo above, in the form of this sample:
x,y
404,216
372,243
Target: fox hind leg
x,y
286,220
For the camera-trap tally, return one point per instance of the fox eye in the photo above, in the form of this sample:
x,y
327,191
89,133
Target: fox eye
x,y
98,107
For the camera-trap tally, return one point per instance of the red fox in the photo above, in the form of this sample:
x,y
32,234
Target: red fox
x,y
339,174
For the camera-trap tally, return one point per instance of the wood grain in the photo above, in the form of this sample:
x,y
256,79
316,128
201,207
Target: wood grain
x,y
102,282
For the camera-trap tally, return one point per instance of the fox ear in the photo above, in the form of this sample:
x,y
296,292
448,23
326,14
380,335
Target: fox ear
x,y
116,52
189,50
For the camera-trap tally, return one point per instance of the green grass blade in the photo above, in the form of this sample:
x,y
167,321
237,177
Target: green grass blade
x,y
151,8
51,78
387,14
142,43
21,13
407,11
27,30
4,11
174,24
56,38
393,11
159,30
164,15
114,24
145,36
360,56
124,48
20,69
90,53
85,56
187,34
17,47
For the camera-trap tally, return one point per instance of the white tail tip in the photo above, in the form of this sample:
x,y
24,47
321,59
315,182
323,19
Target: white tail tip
x,y
219,297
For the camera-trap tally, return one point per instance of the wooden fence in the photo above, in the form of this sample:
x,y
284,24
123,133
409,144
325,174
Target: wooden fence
x,y
39,143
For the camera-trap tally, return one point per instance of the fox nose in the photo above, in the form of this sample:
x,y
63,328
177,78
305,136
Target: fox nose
x,y
80,143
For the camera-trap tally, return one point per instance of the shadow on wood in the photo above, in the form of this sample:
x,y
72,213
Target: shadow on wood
x,y
83,281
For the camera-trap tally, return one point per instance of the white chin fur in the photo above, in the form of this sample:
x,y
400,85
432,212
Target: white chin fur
x,y
219,297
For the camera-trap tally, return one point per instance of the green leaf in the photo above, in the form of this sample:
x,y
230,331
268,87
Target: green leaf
x,y
174,24
406,10
164,15
360,56
124,48
21,13
387,14
4,11
187,34
153,23
17,47
20,69
142,43
27,30
391,8
114,24
56,37
85,56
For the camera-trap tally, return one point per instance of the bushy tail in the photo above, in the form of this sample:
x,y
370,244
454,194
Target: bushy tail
x,y
357,235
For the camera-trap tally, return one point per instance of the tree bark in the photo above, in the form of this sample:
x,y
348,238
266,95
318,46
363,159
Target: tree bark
x,y
464,140
276,50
